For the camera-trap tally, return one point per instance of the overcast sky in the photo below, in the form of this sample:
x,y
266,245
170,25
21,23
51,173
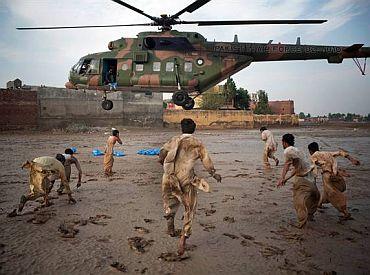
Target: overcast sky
x,y
45,57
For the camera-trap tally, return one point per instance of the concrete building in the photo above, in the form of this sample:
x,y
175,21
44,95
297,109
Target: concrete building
x,y
14,84
283,107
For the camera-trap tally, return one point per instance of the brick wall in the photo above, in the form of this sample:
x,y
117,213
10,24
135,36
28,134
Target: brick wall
x,y
284,107
18,109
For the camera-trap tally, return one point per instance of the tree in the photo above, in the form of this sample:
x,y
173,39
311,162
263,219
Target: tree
x,y
301,115
308,115
230,91
242,99
262,107
211,101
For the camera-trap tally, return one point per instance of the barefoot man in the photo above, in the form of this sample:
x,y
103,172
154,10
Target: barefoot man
x,y
179,182
270,146
43,172
332,177
306,196
69,160
108,156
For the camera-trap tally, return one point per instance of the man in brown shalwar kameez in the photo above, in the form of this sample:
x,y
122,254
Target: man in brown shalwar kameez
x,y
108,152
43,173
179,182
306,196
332,177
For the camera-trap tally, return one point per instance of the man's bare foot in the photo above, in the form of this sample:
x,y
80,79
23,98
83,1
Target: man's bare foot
x,y
182,244
276,162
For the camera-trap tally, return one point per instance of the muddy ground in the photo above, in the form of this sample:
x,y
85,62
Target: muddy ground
x,y
242,227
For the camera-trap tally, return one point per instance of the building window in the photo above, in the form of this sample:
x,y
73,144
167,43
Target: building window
x,y
188,67
139,67
156,66
170,66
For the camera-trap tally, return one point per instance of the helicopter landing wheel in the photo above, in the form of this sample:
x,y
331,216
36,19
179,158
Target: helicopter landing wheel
x,y
107,104
180,98
189,104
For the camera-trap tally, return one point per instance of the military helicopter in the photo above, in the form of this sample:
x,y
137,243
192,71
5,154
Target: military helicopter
x,y
185,63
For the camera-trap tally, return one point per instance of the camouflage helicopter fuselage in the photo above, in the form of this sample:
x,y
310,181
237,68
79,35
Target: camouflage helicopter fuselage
x,y
169,61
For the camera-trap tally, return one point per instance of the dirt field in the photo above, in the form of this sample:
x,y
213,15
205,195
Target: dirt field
x,y
241,227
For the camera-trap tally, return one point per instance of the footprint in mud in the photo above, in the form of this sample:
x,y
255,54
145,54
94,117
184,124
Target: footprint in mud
x,y
238,160
173,257
88,180
230,236
288,235
12,214
333,234
228,198
149,220
207,227
67,230
270,250
119,266
209,212
138,243
229,219
247,237
141,230
98,219
41,218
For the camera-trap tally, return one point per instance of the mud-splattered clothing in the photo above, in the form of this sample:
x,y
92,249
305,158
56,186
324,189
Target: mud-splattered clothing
x,y
333,184
179,182
68,166
108,156
306,196
43,172
270,146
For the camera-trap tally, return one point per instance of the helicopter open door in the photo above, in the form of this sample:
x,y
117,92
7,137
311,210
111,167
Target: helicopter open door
x,y
109,63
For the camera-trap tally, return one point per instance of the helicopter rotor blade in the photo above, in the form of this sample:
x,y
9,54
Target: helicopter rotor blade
x,y
192,7
252,22
82,27
135,9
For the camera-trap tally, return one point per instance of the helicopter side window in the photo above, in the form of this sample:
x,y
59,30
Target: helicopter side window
x,y
170,66
139,67
156,66
188,67
77,66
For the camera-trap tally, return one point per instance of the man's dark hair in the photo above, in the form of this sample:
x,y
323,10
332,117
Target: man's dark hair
x,y
115,133
289,138
61,158
68,151
313,147
263,128
188,126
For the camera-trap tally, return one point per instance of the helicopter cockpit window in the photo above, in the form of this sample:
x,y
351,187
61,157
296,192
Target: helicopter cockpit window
x,y
188,67
170,66
77,66
156,66
85,67
93,67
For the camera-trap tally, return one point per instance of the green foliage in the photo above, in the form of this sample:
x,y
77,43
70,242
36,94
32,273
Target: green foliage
x,y
242,99
301,115
262,107
211,101
164,105
230,90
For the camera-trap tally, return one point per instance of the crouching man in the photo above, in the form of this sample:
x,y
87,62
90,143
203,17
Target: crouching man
x,y
179,182
43,173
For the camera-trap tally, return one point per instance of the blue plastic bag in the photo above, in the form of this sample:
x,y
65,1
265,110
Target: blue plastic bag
x,y
149,152
118,154
74,149
97,153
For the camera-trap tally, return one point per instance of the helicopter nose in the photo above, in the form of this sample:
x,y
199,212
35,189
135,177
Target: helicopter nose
x,y
70,85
